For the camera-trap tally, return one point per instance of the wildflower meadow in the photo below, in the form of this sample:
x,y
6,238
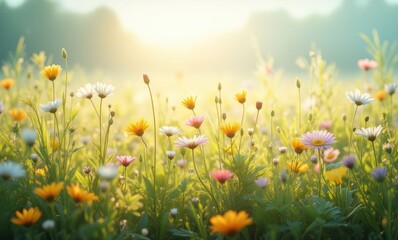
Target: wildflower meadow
x,y
311,158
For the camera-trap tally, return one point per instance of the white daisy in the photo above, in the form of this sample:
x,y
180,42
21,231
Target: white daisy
x,y
51,107
170,154
108,171
29,136
391,88
103,90
170,131
358,98
86,92
11,170
369,133
191,143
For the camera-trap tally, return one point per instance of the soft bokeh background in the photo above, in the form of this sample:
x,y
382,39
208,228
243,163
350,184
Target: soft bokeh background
x,y
187,38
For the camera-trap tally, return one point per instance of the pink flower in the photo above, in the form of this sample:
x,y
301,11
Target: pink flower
x,y
325,125
222,176
331,154
366,64
126,160
195,121
181,163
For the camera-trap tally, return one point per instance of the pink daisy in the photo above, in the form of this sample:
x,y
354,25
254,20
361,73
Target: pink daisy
x,y
331,154
366,64
195,121
222,176
126,160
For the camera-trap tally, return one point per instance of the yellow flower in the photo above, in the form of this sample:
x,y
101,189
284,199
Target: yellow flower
x,y
189,102
49,192
298,146
380,95
231,223
7,83
54,144
79,195
229,129
297,167
18,114
51,72
26,217
336,175
137,128
241,96
40,172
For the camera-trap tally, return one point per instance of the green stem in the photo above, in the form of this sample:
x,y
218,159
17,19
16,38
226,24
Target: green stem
x,y
352,129
201,181
374,153
100,134
241,125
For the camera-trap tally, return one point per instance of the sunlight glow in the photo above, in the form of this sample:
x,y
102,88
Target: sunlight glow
x,y
176,22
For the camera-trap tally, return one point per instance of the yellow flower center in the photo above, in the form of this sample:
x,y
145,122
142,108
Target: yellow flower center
x,y
317,142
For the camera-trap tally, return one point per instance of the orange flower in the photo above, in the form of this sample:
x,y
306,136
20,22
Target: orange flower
x,y
79,195
7,83
297,167
189,102
241,96
51,72
380,95
137,128
298,146
49,192
231,223
229,129
26,217
18,114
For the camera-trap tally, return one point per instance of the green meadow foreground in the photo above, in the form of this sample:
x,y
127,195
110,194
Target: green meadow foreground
x,y
313,160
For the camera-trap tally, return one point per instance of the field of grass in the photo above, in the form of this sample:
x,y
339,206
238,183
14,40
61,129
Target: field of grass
x,y
309,159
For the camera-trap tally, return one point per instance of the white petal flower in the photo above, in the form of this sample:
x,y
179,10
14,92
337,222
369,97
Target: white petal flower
x,y
358,98
51,107
169,131
369,133
86,92
108,171
391,88
191,143
29,136
103,90
11,170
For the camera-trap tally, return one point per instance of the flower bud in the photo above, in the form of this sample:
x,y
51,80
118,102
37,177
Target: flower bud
x,y
64,53
173,212
48,224
298,84
144,232
34,157
86,169
387,147
259,105
146,79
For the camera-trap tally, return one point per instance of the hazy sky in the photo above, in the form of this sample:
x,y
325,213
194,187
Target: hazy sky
x,y
168,21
